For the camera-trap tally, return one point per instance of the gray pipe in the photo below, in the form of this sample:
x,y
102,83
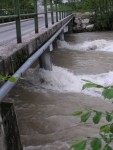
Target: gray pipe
x,y
9,85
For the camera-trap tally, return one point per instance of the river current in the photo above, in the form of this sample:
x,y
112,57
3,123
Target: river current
x,y
45,100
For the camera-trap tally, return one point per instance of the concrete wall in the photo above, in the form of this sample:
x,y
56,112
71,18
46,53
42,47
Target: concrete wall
x,y
15,55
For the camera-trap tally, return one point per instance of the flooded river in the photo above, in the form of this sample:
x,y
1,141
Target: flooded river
x,y
45,100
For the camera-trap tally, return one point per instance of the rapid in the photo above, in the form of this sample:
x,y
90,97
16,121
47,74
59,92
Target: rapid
x,y
44,100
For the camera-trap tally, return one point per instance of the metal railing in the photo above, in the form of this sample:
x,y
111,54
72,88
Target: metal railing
x,y
15,10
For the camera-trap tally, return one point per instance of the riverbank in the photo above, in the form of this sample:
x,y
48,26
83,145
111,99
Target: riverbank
x,y
82,22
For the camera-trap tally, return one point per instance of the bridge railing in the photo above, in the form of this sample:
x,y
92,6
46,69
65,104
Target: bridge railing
x,y
16,10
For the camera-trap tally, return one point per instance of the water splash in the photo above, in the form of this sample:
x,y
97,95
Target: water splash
x,y
97,45
58,145
63,80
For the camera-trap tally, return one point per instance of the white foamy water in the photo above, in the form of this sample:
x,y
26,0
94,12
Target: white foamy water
x,y
63,80
97,45
58,145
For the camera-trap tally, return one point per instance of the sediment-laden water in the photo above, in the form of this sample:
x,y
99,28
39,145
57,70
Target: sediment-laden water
x,y
45,100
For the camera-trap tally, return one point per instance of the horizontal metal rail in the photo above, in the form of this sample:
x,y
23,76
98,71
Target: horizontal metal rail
x,y
4,90
15,16
30,14
7,17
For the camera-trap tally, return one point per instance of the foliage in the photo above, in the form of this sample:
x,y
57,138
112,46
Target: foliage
x,y
79,144
9,5
82,6
29,4
105,138
107,90
102,10
8,8
9,78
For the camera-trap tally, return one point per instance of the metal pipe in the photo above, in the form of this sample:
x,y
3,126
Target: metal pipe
x,y
9,85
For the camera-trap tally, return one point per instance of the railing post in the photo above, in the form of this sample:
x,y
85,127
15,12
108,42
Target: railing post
x,y
52,16
36,16
62,9
56,9
18,25
45,12
59,10
66,9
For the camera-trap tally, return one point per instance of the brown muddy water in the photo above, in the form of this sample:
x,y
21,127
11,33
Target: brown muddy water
x,y
44,100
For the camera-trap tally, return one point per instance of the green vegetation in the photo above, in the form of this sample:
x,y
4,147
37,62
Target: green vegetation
x,y
103,17
104,140
29,4
10,4
103,12
9,78
7,8
82,6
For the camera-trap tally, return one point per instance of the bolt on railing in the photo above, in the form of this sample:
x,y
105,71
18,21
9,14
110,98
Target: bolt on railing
x,y
13,10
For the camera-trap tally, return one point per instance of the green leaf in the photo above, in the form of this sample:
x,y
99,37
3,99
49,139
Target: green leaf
x,y
108,117
107,147
12,79
108,93
85,116
96,144
1,77
79,145
97,117
111,136
105,138
91,85
77,113
105,128
6,77
111,128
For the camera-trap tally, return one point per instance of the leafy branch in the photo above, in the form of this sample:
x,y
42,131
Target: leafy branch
x,y
105,131
107,92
